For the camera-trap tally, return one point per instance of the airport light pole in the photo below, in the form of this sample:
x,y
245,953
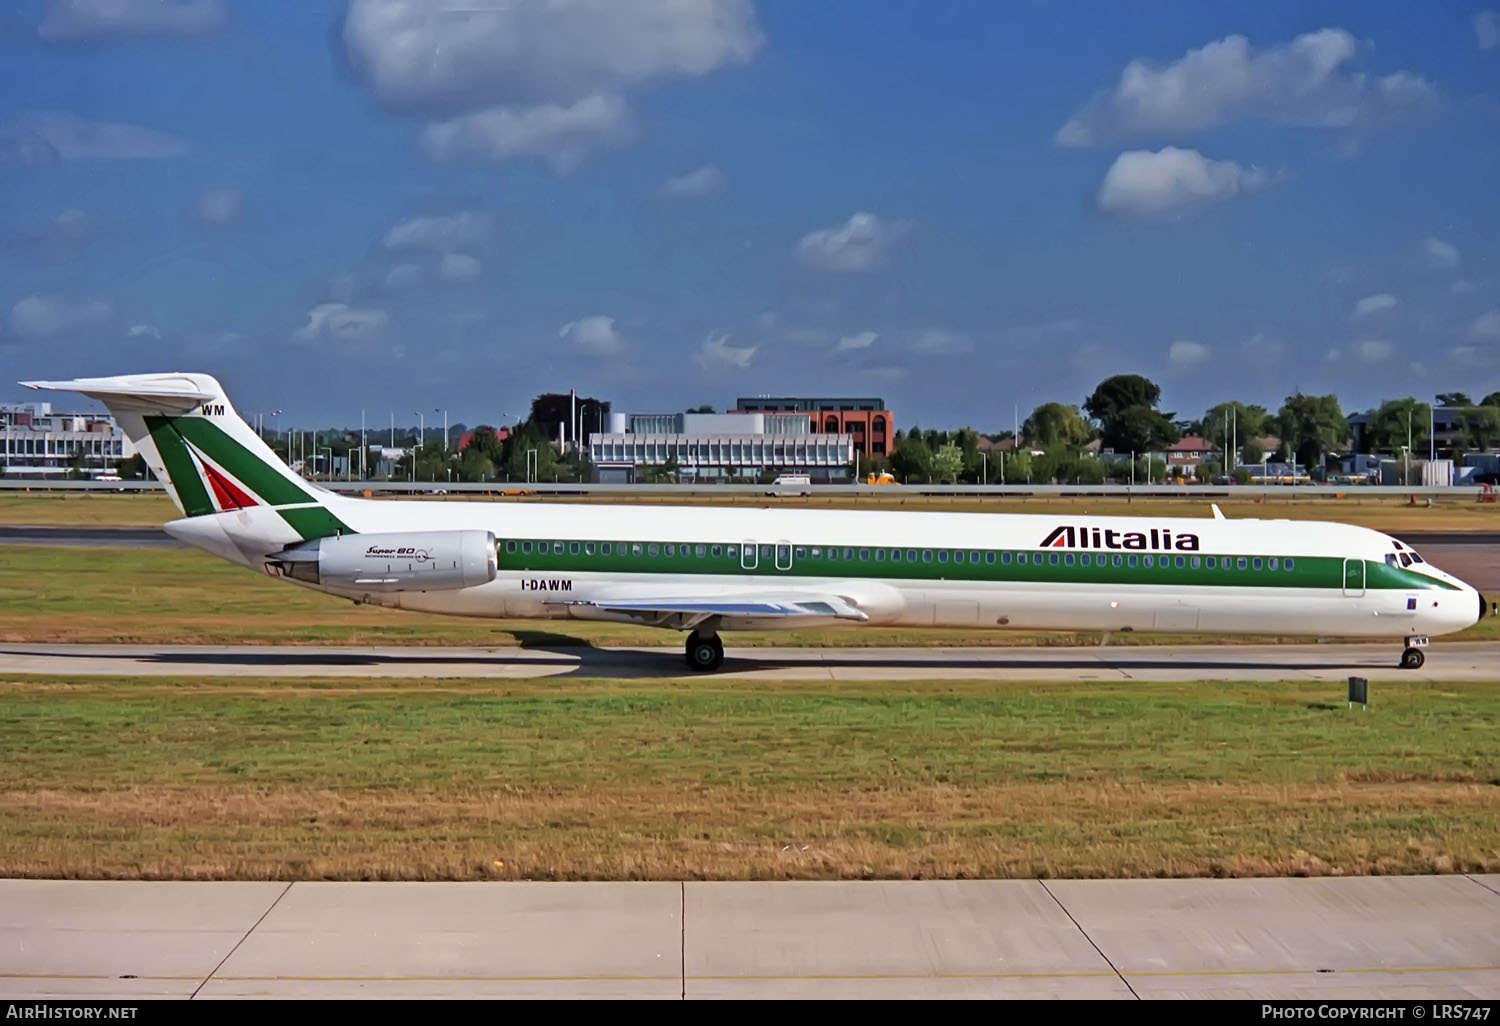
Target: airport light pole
x,y
445,427
985,468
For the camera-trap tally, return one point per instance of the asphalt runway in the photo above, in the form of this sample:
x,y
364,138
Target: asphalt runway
x,y
1457,660
1403,938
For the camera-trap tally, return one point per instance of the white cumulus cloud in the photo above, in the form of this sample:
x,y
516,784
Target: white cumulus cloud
x,y
219,206
1306,82
1486,326
1487,29
595,335
339,322
717,354
403,275
41,138
67,20
937,340
459,267
536,79
1373,350
858,244
455,55
1461,287
1373,304
39,317
442,234
561,135
864,340
1140,182
1439,255
1184,353
701,182
139,330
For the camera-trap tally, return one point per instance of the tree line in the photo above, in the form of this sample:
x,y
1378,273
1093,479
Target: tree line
x,y
1123,414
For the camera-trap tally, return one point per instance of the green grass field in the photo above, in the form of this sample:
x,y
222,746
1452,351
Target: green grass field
x,y
587,779
105,509
181,596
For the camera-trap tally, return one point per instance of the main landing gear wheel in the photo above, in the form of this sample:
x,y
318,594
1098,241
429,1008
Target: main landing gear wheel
x,y
704,653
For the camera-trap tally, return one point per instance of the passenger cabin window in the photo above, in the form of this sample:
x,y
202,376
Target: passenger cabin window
x,y
510,546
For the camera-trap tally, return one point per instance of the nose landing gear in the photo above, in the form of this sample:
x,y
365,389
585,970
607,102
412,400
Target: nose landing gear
x,y
1412,657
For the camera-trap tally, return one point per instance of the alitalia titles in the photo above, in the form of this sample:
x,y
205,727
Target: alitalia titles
x,y
1154,540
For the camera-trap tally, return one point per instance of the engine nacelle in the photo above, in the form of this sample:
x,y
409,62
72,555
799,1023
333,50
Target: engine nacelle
x,y
415,561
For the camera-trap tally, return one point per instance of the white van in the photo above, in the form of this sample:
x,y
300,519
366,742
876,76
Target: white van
x,y
786,481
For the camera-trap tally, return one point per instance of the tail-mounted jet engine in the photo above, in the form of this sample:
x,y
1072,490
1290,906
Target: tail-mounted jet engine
x,y
416,561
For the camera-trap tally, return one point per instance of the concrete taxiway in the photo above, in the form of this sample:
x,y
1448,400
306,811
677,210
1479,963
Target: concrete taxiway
x,y
1332,662
1361,938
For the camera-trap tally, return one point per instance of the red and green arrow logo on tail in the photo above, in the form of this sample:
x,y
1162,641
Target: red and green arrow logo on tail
x,y
213,473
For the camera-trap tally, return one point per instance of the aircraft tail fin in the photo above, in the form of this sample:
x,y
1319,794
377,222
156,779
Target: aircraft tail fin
x,y
209,459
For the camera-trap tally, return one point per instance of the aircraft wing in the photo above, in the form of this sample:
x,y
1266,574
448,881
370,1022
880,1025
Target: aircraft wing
x,y
689,611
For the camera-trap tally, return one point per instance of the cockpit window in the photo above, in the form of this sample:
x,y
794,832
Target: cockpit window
x,y
1390,557
1405,559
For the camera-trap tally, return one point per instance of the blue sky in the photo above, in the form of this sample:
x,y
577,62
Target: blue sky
x,y
964,207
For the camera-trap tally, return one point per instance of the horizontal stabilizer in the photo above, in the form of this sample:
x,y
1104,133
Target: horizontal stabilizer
x,y
139,393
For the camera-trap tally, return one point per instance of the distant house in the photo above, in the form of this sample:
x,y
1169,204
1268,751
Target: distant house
x,y
467,438
1188,452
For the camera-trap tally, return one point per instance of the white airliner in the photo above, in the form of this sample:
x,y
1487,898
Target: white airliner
x,y
704,569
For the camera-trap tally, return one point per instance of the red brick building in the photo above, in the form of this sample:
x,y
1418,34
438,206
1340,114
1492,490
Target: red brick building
x,y
868,420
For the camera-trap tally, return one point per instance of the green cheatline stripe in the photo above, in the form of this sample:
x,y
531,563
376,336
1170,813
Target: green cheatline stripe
x,y
180,468
1307,571
314,522
269,485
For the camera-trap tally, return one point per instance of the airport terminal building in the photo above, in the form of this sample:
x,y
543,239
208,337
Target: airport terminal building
x,y
35,442
737,447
